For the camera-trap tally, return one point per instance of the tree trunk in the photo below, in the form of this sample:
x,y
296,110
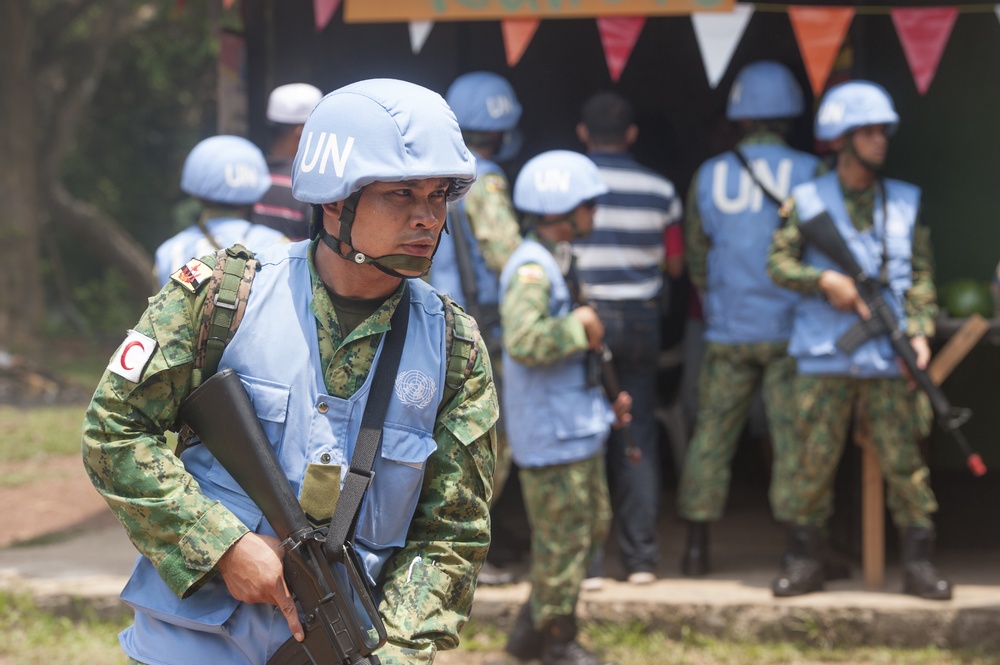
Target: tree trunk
x,y
21,292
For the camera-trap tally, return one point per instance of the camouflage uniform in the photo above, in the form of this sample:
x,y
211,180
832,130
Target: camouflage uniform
x,y
899,416
727,383
185,534
568,505
494,224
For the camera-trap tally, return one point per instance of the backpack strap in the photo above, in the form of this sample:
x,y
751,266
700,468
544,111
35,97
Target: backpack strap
x,y
461,347
225,304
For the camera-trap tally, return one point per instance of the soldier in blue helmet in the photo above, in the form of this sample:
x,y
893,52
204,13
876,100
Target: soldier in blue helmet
x,y
556,417
732,212
482,234
379,160
879,220
227,174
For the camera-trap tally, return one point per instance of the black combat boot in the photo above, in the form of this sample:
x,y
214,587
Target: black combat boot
x,y
695,560
803,567
525,641
560,645
920,576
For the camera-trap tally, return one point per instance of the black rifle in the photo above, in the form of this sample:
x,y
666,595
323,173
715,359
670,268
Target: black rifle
x,y
341,622
822,233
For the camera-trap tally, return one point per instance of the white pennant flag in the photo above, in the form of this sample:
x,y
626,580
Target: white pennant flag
x,y
718,34
419,30
996,9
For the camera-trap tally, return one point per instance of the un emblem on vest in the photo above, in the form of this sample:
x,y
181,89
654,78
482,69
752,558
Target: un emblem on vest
x,y
414,388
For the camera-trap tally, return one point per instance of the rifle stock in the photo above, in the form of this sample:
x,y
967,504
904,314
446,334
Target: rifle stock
x,y
821,231
325,589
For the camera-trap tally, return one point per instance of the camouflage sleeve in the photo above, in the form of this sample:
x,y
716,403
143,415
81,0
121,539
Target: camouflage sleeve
x,y
128,459
531,335
921,298
696,242
784,260
493,220
429,583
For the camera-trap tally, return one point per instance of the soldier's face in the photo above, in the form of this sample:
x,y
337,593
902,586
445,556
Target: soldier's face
x,y
583,219
400,217
871,144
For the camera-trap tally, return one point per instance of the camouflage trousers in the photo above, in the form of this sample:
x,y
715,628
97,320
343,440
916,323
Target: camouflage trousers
x,y
569,512
730,376
501,468
900,417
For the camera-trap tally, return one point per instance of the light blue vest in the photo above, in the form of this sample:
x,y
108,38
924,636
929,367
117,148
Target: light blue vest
x,y
818,324
551,414
445,276
276,352
742,304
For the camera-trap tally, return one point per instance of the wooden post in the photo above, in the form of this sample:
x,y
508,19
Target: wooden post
x,y
872,486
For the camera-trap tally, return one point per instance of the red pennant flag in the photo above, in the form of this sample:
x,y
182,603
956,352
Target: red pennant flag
x,y
323,11
618,36
819,31
517,34
924,31
228,4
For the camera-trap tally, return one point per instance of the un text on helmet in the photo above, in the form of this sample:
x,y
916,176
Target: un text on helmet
x,y
327,150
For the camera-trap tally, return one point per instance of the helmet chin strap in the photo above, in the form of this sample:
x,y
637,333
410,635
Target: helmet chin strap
x,y
389,264
849,148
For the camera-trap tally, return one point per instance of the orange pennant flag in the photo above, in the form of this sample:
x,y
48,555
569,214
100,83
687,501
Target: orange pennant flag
x,y
517,34
323,11
819,31
228,4
924,31
618,36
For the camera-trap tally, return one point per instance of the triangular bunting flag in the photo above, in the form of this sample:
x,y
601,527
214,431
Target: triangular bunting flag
x,y
996,10
924,31
618,36
819,31
323,11
517,34
227,4
718,34
419,30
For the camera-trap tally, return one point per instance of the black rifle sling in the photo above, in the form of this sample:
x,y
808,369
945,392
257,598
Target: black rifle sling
x,y
360,475
764,188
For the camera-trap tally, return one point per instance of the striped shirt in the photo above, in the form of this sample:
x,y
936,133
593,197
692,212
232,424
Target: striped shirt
x,y
622,258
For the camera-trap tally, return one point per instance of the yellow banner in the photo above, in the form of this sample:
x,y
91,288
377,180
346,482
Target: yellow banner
x,y
392,11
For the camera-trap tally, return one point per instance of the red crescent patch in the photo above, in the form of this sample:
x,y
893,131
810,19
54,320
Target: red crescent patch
x,y
125,351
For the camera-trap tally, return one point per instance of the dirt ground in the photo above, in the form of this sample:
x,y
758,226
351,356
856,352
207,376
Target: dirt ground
x,y
59,498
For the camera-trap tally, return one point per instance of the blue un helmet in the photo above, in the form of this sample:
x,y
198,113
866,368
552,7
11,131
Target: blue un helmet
x,y
486,102
556,182
764,90
226,169
379,130
848,106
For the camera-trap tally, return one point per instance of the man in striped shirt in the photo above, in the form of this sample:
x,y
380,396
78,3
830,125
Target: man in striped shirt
x,y
621,267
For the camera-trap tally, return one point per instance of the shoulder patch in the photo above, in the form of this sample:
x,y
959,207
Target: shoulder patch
x,y
192,275
132,356
530,273
495,184
786,208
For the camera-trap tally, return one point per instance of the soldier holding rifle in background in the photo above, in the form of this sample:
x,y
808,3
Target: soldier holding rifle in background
x,y
879,220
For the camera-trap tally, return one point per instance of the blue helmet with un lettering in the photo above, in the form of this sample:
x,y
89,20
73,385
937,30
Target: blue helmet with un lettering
x,y
226,169
379,130
763,90
556,182
484,102
848,106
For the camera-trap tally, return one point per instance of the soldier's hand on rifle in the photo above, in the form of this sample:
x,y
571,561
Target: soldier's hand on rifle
x,y
923,350
622,406
591,325
253,573
842,293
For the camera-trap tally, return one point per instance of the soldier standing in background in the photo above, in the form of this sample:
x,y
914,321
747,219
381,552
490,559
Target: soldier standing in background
x,y
732,213
288,107
226,174
879,220
558,420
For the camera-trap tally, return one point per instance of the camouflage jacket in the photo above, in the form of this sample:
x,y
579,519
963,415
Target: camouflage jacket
x,y
184,534
493,220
